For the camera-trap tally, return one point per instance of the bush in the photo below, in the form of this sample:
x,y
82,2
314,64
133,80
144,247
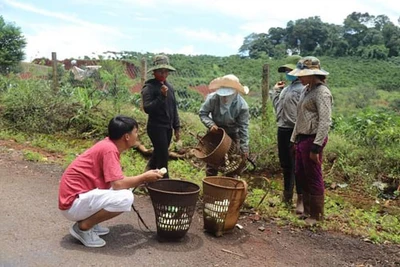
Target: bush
x,y
33,106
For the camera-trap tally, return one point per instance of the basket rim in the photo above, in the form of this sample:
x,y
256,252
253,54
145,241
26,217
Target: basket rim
x,y
198,151
173,192
225,187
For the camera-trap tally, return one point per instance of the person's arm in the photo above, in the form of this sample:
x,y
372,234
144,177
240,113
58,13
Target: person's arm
x,y
176,123
275,94
152,104
323,102
204,113
243,123
134,181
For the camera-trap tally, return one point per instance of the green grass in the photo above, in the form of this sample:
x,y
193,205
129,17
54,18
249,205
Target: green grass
x,y
34,156
370,224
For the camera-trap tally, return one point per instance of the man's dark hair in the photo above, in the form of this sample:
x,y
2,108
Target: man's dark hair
x,y
120,125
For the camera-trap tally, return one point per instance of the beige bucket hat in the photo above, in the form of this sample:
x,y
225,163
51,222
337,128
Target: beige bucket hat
x,y
308,66
161,62
227,85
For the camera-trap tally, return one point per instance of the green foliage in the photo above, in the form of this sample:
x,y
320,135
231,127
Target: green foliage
x,y
115,82
180,169
370,149
12,44
360,35
373,128
188,100
32,106
132,163
33,156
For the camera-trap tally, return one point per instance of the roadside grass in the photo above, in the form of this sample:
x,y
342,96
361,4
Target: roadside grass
x,y
371,224
33,156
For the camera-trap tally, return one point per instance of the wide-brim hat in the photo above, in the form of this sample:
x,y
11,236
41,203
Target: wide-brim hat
x,y
308,66
161,62
290,63
229,81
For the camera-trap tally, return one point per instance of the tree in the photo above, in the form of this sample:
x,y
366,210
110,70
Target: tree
x,y
248,41
308,33
391,35
12,44
334,44
355,28
256,45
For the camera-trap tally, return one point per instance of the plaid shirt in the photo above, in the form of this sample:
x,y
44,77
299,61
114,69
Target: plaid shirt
x,y
314,113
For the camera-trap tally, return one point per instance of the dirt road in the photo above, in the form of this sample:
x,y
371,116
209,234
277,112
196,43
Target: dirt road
x,y
34,233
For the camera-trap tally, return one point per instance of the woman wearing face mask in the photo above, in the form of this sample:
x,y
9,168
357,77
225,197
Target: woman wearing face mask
x,y
159,103
226,108
285,98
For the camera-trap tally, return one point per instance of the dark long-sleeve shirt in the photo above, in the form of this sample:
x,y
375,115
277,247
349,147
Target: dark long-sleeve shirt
x,y
162,110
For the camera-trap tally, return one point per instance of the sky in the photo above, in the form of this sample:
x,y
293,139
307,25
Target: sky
x,y
78,28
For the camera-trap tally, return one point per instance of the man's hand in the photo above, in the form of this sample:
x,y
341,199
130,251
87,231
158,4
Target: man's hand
x,y
214,128
164,90
152,176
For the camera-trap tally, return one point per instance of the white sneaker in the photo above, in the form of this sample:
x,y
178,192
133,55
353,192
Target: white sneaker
x,y
89,238
100,230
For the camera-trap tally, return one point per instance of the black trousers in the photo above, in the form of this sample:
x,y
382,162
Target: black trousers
x,y
287,160
160,138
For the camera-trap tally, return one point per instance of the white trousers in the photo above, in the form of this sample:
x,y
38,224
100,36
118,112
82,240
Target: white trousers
x,y
95,200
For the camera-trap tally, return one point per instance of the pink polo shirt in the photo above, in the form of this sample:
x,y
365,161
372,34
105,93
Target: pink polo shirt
x,y
97,167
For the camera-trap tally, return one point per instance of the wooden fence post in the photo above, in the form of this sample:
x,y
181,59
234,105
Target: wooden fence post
x,y
55,77
144,70
143,76
265,91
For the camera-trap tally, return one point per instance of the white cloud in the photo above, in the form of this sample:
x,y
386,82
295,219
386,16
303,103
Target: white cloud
x,y
253,12
185,50
67,42
67,18
211,37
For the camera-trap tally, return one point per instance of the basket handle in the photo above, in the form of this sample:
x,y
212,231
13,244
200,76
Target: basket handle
x,y
245,191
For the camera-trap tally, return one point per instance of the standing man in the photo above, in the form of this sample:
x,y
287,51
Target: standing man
x,y
226,108
160,104
285,99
